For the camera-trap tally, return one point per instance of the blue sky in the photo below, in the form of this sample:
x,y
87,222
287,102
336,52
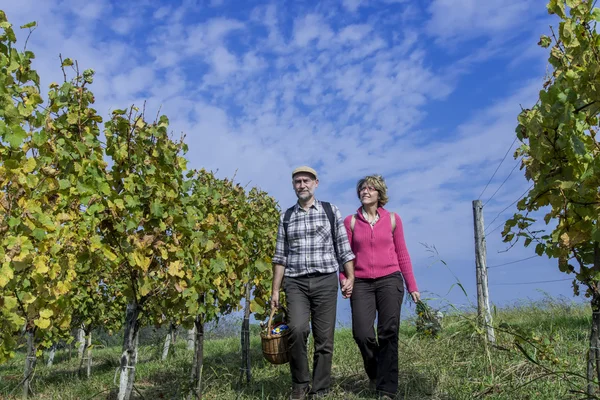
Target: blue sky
x,y
425,93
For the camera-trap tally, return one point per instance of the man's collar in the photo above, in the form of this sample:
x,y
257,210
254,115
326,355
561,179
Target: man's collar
x,y
316,205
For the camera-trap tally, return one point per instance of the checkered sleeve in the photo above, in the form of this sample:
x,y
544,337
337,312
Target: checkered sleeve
x,y
345,253
279,257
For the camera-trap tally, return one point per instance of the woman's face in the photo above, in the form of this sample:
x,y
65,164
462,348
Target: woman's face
x,y
368,195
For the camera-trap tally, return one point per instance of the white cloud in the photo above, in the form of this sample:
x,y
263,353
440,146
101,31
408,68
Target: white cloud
x,y
134,81
464,19
353,5
354,33
223,62
311,27
218,28
161,12
90,10
123,25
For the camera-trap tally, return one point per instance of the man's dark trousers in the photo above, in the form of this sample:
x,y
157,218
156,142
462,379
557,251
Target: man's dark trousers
x,y
380,355
313,297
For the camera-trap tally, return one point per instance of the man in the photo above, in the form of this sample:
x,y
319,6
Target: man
x,y
308,253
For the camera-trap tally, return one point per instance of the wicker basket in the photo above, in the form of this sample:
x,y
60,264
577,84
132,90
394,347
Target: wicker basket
x,y
275,346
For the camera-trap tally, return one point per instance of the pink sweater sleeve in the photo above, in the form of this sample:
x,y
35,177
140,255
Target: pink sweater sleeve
x,y
404,257
347,222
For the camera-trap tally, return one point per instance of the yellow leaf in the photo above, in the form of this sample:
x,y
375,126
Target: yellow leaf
x,y
46,313
41,264
42,323
145,289
29,165
164,254
141,260
217,281
109,254
175,269
10,302
63,217
62,288
65,322
209,245
28,298
6,274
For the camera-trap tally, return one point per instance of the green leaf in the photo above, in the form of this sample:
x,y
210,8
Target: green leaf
x,y
38,233
589,172
578,146
13,221
29,25
67,62
557,7
88,76
64,184
539,249
15,136
156,209
545,41
567,184
32,181
596,234
596,14
29,165
39,138
256,307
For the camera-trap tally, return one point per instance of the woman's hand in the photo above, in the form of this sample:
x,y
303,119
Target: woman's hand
x,y
347,286
416,296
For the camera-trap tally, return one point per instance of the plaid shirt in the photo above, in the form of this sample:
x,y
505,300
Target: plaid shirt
x,y
310,243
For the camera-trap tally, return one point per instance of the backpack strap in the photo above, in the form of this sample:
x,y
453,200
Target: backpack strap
x,y
331,218
286,222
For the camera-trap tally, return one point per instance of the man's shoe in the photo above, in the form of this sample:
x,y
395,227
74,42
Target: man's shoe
x,y
319,395
385,396
299,393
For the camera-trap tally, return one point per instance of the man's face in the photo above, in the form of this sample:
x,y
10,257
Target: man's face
x,y
305,185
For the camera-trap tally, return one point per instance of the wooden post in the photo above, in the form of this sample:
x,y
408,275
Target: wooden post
x,y
245,339
483,299
30,362
89,356
80,342
191,335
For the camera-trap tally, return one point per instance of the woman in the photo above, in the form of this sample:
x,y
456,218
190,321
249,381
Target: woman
x,y
382,267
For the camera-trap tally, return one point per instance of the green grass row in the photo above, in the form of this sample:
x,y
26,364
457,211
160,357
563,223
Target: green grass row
x,y
455,365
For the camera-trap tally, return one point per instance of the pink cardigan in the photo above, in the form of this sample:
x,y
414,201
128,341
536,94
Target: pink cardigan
x,y
378,252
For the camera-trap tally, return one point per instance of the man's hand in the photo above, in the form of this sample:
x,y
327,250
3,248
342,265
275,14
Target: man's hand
x,y
275,300
348,283
416,296
278,270
347,286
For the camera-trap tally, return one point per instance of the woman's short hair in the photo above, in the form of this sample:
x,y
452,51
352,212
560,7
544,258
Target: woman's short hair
x,y
378,183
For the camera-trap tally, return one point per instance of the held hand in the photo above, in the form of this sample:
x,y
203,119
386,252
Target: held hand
x,y
416,296
275,300
347,286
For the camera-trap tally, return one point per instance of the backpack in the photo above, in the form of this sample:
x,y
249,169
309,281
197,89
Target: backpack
x,y
392,216
330,216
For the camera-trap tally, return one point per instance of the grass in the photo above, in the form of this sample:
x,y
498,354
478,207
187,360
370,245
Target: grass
x,y
456,365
